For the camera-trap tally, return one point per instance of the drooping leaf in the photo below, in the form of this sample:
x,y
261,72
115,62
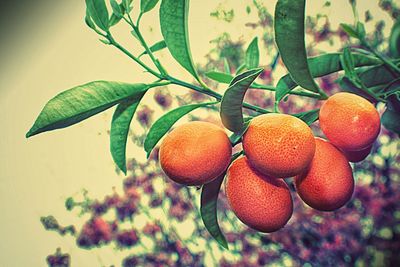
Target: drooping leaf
x,y
155,47
289,37
82,102
208,209
308,117
97,10
120,128
165,122
147,5
174,28
394,40
219,76
232,102
252,55
320,66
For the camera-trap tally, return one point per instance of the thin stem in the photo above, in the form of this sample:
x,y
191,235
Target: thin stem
x,y
292,92
381,57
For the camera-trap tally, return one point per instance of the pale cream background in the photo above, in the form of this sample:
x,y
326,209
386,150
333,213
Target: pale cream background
x,y
51,51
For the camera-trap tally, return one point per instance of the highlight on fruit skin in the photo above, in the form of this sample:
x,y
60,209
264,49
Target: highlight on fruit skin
x,y
357,156
328,184
279,145
195,153
349,121
261,202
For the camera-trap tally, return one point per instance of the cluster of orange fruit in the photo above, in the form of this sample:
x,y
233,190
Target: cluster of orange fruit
x,y
277,146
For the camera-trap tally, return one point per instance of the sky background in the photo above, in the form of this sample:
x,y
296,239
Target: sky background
x,y
46,48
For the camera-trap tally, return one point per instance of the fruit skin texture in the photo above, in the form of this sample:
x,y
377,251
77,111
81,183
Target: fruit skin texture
x,y
195,153
259,201
357,156
279,145
349,121
329,183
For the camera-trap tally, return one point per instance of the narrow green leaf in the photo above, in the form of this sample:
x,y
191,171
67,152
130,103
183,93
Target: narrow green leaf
x,y
219,76
120,128
155,47
89,22
227,68
82,102
308,117
320,66
232,102
350,30
252,55
240,68
174,28
114,20
394,40
165,122
127,5
208,209
360,30
235,138
117,11
391,117
98,12
147,5
289,37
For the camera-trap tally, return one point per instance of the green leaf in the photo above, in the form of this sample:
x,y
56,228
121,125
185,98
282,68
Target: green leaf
x,y
235,138
147,5
155,47
165,122
117,10
127,5
350,30
232,101
174,28
394,40
391,120
114,20
219,76
289,37
240,68
308,117
89,22
208,209
252,55
227,68
320,66
98,12
360,30
82,102
120,128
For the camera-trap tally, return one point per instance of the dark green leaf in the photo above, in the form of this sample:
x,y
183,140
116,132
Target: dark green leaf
x,y
219,76
147,5
120,128
349,30
391,120
117,10
289,37
253,55
164,123
308,117
208,209
82,102
236,137
89,22
320,66
394,40
155,47
232,101
360,30
98,12
174,28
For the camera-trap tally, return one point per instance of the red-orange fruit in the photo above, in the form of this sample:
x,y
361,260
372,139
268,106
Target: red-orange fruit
x,y
357,156
195,153
328,184
259,201
349,121
279,145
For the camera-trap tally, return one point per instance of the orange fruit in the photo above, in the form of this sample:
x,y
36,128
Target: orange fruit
x,y
349,121
279,145
259,201
195,153
328,184
357,156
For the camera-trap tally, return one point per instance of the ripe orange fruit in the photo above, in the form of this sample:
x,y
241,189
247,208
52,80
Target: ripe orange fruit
x,y
357,156
279,145
349,121
195,153
328,183
259,201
